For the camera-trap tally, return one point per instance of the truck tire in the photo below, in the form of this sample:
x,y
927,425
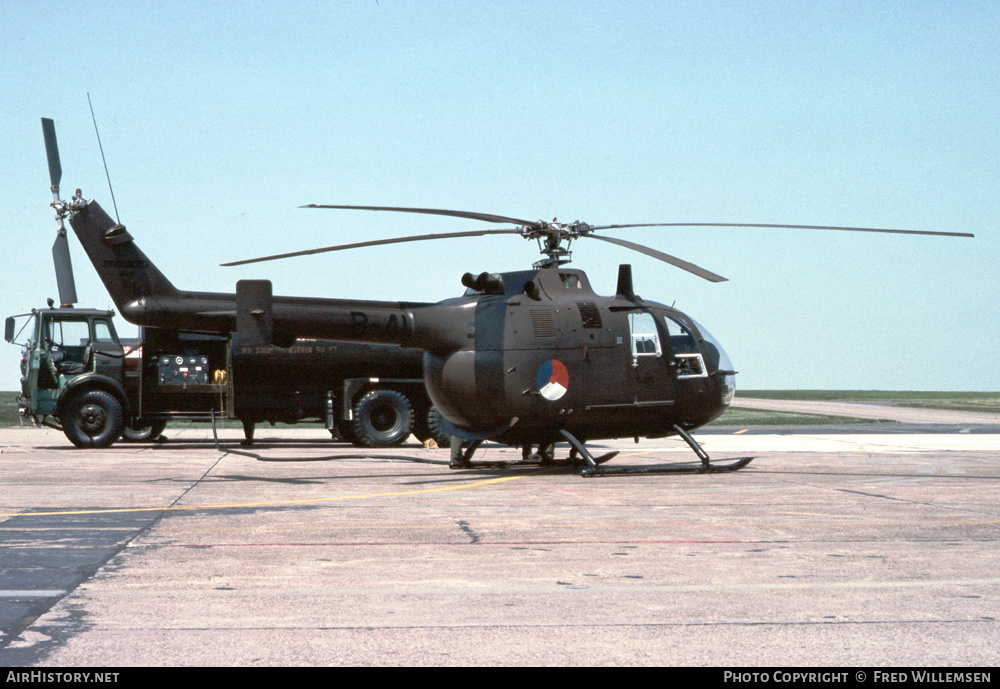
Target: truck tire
x,y
143,431
436,427
93,419
382,418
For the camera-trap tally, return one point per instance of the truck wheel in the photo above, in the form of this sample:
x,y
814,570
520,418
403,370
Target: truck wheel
x,y
382,418
436,427
143,431
93,419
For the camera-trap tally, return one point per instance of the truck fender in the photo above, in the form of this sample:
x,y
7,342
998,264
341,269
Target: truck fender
x,y
94,381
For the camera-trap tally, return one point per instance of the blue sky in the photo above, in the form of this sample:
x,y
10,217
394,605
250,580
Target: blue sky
x,y
219,119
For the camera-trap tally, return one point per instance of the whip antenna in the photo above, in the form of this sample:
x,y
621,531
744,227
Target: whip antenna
x,y
107,174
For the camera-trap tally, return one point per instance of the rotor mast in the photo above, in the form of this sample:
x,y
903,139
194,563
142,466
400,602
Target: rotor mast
x,y
550,236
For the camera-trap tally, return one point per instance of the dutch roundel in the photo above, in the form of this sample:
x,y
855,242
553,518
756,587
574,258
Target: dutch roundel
x,y
553,379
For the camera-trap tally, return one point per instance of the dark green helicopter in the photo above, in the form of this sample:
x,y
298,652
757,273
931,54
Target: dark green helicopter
x,y
536,357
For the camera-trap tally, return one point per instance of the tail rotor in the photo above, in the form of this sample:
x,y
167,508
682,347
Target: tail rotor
x,y
60,249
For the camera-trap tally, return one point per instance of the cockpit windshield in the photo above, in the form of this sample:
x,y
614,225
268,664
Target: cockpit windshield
x,y
717,355
715,351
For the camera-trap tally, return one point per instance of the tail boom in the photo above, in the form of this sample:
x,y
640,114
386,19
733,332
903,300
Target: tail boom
x,y
144,296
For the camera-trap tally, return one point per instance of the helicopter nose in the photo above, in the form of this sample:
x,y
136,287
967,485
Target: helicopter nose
x,y
719,360
727,388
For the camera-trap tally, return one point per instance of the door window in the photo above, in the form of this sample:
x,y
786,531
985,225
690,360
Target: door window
x,y
645,339
102,332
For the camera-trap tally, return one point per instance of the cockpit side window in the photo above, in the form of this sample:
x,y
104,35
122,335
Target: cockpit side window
x,y
687,355
681,339
645,339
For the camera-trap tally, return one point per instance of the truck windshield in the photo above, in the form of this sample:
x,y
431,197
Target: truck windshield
x,y
67,333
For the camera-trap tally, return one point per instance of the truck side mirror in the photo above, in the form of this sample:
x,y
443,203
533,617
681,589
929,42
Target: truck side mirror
x,y
8,330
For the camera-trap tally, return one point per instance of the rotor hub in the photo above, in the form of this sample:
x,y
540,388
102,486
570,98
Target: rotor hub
x,y
551,237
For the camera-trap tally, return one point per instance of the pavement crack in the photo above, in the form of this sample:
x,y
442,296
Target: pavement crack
x,y
470,532
908,501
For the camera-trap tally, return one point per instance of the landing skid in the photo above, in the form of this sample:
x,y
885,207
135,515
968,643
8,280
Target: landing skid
x,y
712,468
590,466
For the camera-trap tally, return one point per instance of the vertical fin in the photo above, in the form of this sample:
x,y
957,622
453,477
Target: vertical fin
x,y
125,270
254,312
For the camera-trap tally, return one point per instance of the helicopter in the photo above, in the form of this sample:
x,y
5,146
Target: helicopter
x,y
525,358
530,358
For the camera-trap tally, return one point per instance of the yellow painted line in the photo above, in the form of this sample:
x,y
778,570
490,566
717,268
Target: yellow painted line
x,y
656,523
272,503
741,432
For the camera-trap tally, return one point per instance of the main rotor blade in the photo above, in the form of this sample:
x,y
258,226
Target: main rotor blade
x,y
786,227
375,242
52,150
667,258
434,211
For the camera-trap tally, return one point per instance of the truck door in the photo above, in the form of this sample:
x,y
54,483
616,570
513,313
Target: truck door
x,y
60,351
71,345
107,349
31,357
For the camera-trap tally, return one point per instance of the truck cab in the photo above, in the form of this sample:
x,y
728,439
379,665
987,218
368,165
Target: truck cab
x,y
72,370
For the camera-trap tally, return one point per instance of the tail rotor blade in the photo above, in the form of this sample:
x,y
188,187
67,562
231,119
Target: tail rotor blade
x,y
52,150
64,270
